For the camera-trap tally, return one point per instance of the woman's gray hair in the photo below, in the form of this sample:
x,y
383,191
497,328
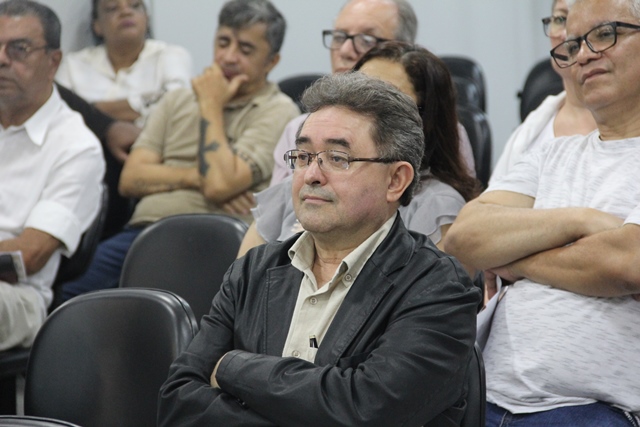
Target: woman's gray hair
x,y
239,14
396,126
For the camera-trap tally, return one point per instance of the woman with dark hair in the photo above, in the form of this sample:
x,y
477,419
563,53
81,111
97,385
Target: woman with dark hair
x,y
424,77
432,85
126,72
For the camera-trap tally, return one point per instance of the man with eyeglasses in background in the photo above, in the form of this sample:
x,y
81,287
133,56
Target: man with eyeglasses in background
x,y
360,25
51,168
356,321
564,224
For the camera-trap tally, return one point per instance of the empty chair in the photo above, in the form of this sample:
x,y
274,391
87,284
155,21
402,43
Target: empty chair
x,y
467,92
294,86
470,69
476,124
476,393
100,359
186,254
541,82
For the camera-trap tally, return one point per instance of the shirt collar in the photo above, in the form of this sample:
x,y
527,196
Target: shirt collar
x,y
38,124
302,254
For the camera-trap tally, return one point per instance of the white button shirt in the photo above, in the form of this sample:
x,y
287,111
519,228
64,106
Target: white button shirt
x,y
51,169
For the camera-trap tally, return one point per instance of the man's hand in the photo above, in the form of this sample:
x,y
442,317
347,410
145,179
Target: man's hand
x,y
214,383
214,91
120,137
241,204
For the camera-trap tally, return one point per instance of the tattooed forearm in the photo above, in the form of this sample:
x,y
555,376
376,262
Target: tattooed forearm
x,y
204,147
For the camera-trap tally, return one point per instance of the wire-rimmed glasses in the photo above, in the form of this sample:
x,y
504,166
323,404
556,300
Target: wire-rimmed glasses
x,y
328,160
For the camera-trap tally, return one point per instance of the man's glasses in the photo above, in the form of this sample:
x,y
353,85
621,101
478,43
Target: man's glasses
x,y
362,43
598,39
553,26
329,160
18,50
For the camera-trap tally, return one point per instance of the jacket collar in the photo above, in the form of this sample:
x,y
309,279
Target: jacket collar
x,y
369,289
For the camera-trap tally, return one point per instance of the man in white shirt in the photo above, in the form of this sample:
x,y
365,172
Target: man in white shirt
x,y
356,321
564,224
51,167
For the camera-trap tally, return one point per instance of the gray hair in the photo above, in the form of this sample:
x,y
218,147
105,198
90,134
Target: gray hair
x,y
396,126
47,17
239,14
634,6
407,22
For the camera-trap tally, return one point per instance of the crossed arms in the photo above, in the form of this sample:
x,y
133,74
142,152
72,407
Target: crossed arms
x,y
581,250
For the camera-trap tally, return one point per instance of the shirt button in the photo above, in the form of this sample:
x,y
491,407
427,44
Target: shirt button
x,y
313,300
348,277
295,353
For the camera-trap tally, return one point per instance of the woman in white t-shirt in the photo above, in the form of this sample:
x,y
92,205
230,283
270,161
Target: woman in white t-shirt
x,y
126,73
558,115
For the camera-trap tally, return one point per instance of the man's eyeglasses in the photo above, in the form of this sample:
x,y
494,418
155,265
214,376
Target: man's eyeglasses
x,y
329,160
18,50
598,39
554,25
362,43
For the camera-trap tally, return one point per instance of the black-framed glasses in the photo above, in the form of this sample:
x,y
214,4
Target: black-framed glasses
x,y
18,50
554,25
597,39
362,43
328,160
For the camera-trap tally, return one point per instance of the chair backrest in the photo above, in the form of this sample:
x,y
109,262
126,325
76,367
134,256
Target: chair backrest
x,y
186,254
100,359
294,86
468,68
477,391
541,82
476,123
467,92
26,421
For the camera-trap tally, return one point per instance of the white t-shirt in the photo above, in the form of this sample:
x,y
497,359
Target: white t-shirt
x,y
550,348
160,67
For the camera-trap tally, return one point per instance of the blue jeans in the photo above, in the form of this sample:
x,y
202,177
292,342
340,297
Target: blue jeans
x,y
593,415
106,265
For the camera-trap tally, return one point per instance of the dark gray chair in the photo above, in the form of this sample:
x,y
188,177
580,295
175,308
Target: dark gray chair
x,y
26,421
541,82
13,362
294,86
476,123
100,358
467,92
468,68
476,393
186,254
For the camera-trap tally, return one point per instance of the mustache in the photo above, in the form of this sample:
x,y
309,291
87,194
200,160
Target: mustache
x,y
308,191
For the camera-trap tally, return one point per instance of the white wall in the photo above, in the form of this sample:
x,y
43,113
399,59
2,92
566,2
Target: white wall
x,y
504,36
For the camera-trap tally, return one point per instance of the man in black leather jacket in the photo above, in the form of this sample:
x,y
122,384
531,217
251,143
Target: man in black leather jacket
x,y
354,322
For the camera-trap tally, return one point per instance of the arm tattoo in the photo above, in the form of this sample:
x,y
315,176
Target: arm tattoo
x,y
203,148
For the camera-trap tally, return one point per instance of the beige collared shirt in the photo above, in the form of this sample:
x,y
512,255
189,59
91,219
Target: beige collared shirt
x,y
317,306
